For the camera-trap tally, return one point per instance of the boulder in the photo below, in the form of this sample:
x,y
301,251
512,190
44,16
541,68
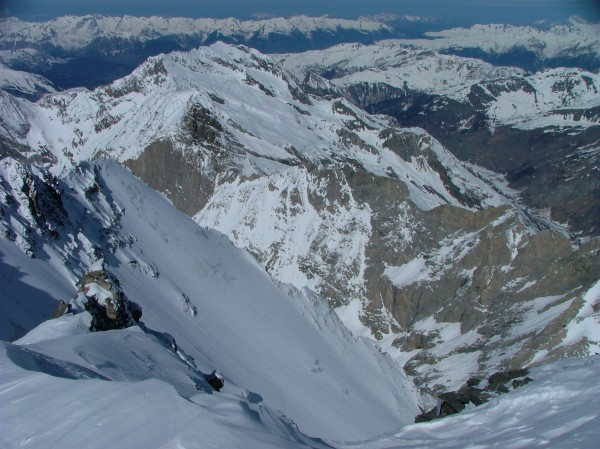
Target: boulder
x,y
216,380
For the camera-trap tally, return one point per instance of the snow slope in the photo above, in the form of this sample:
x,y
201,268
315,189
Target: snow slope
x,y
57,402
558,410
221,307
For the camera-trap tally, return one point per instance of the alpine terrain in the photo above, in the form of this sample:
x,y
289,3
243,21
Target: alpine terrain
x,y
223,248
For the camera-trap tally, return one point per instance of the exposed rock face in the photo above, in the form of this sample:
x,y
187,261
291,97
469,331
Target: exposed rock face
x,y
185,176
549,165
539,129
61,308
216,380
555,166
36,196
440,285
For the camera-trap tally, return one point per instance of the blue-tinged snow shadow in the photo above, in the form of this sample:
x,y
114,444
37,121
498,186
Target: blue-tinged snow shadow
x,y
22,306
34,361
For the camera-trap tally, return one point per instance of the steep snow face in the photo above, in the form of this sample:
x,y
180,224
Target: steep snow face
x,y
291,224
14,124
224,311
237,102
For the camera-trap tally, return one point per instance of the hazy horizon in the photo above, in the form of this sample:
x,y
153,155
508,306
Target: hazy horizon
x,y
458,12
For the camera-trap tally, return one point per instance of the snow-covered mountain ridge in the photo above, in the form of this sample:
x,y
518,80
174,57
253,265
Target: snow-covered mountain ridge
x,y
23,83
326,196
226,97
514,97
576,38
540,129
78,32
96,50
563,44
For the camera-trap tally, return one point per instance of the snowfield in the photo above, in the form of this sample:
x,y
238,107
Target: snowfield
x,y
52,402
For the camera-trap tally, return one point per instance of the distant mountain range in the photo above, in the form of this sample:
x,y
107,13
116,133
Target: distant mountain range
x,y
93,50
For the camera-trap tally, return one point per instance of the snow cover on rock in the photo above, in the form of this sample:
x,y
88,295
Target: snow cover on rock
x,y
266,122
397,63
554,97
223,310
274,218
284,188
24,83
575,38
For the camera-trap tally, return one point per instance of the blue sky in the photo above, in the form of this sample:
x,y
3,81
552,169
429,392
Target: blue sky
x,y
451,11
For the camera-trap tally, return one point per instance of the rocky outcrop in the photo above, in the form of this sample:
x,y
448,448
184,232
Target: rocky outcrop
x,y
443,284
33,196
215,379
453,402
101,295
187,177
